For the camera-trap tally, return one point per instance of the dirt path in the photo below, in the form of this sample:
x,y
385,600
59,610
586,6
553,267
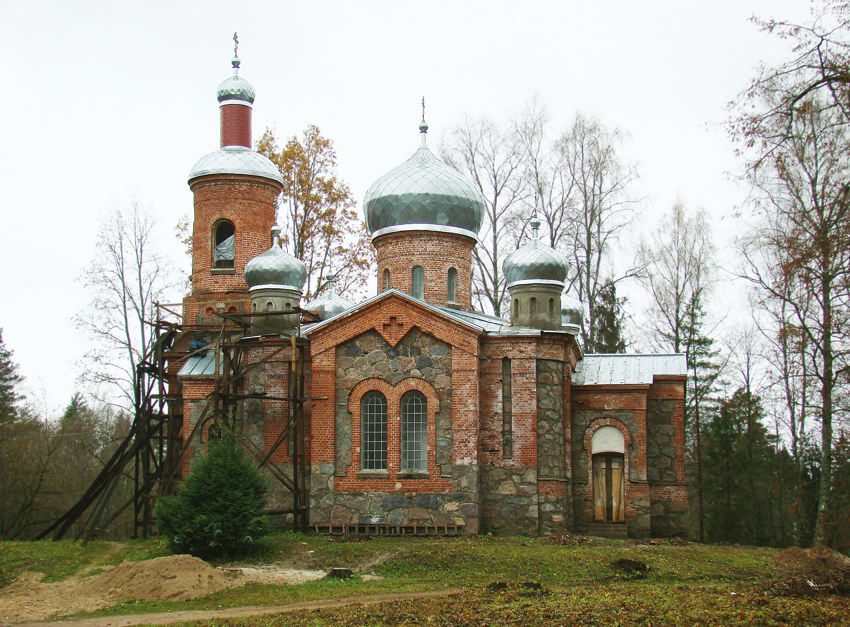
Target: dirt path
x,y
239,612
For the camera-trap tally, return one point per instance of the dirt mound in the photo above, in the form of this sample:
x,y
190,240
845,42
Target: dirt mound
x,y
815,570
172,578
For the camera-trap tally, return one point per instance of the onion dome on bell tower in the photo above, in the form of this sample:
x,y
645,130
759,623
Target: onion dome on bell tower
x,y
234,192
535,275
424,219
275,280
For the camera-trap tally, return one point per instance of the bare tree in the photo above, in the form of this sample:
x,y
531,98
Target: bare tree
x,y
678,266
126,278
491,157
800,254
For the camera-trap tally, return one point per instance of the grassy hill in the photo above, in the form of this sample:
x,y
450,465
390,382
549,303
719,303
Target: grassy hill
x,y
494,581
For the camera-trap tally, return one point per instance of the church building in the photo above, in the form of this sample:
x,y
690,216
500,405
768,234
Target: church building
x,y
410,410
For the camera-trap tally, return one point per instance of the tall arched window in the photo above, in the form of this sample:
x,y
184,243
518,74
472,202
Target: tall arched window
x,y
417,283
223,244
414,431
551,307
532,306
452,284
516,307
386,279
373,427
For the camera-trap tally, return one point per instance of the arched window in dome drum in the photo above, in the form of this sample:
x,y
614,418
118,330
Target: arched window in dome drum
x,y
417,283
516,307
551,307
414,430
386,279
223,244
532,306
373,424
452,284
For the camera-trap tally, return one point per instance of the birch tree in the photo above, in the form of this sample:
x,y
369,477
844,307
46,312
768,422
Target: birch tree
x,y
125,279
492,158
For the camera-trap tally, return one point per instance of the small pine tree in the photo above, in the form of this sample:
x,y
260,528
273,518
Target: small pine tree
x,y
216,511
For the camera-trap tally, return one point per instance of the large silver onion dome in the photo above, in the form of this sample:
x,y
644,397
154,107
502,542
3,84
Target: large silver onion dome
x,y
236,87
235,160
275,268
329,303
423,193
534,263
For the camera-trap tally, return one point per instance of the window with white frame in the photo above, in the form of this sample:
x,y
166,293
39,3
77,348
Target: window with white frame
x,y
414,431
373,425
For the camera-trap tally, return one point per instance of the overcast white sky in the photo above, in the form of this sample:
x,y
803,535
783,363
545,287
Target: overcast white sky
x,y
106,101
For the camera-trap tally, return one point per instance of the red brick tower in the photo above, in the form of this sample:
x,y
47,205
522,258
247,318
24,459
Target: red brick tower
x,y
235,191
424,218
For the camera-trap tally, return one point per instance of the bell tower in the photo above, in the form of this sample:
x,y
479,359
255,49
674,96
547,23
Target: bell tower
x,y
234,191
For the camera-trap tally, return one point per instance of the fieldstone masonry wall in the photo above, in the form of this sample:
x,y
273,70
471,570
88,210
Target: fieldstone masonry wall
x,y
551,456
417,356
370,355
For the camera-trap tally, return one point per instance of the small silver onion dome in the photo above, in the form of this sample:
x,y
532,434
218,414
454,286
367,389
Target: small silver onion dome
x,y
572,311
235,160
534,263
329,303
423,193
275,268
235,87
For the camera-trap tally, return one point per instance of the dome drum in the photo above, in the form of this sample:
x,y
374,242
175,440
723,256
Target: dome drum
x,y
278,300
536,305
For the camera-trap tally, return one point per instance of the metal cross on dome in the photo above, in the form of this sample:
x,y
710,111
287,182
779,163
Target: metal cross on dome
x,y
235,44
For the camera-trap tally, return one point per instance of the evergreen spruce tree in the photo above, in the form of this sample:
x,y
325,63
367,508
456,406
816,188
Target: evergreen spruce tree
x,y
703,373
738,449
216,511
9,381
608,331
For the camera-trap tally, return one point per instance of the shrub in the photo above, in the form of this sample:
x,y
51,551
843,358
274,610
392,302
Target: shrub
x,y
216,511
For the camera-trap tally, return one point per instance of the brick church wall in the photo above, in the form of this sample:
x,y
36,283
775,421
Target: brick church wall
x,y
509,486
624,408
447,495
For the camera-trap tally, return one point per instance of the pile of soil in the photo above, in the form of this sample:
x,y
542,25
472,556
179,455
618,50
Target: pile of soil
x,y
817,570
172,578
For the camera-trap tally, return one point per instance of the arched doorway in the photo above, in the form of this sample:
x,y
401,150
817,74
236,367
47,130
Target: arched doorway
x,y
608,454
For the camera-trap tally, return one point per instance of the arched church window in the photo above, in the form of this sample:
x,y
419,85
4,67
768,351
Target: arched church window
x,y
386,279
373,424
270,306
417,282
414,431
223,241
551,307
516,307
452,284
532,306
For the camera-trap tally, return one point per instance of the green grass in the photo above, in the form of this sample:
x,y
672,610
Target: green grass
x,y
580,578
633,603
61,559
